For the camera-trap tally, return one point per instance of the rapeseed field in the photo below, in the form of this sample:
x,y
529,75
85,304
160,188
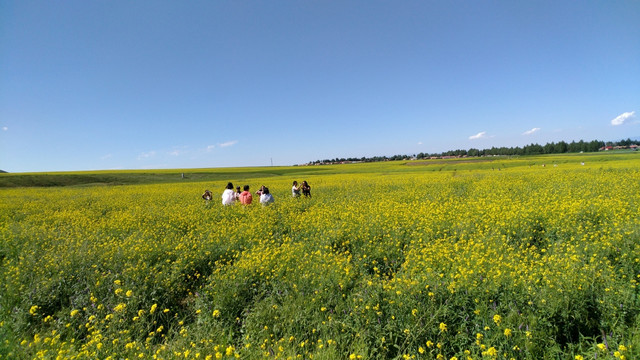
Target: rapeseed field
x,y
524,262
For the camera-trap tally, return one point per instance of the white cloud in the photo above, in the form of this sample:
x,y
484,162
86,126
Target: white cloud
x,y
620,119
529,132
210,147
479,135
419,142
179,150
108,156
4,128
147,155
228,143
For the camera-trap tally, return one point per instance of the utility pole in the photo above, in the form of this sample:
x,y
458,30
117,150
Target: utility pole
x,y
271,161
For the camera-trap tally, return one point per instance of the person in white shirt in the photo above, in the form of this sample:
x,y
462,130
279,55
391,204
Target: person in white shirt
x,y
295,189
228,195
265,197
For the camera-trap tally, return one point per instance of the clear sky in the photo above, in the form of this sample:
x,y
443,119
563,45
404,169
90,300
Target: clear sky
x,y
87,85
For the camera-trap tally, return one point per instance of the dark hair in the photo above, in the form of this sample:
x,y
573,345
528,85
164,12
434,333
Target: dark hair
x,y
295,182
230,186
246,188
266,190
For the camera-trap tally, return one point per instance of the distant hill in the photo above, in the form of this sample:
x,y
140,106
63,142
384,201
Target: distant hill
x,y
2,171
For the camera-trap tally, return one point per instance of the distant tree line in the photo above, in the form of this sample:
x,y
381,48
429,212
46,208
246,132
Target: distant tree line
x,y
560,147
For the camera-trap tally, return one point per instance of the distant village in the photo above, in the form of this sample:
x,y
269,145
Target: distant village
x,y
532,149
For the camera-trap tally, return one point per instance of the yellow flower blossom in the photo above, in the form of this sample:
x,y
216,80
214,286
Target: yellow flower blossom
x,y
443,327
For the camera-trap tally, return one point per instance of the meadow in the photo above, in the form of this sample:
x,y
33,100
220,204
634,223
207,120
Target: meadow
x,y
497,258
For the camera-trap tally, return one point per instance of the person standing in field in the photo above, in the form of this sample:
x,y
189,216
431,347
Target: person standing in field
x,y
306,189
266,198
228,195
295,190
245,197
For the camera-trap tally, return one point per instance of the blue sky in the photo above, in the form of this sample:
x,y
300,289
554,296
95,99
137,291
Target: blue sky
x,y
87,85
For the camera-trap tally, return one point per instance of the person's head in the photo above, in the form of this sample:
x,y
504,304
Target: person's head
x,y
238,188
305,183
265,190
295,183
230,186
246,188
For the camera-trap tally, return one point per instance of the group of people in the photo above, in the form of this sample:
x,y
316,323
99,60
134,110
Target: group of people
x,y
306,189
230,197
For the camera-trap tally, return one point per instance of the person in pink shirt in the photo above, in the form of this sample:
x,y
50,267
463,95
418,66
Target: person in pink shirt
x,y
245,196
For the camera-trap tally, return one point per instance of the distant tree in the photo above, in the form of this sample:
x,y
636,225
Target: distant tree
x,y
625,142
561,147
549,148
595,145
531,149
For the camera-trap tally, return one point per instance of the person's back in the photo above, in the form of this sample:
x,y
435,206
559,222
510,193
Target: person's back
x,y
266,198
228,195
245,197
